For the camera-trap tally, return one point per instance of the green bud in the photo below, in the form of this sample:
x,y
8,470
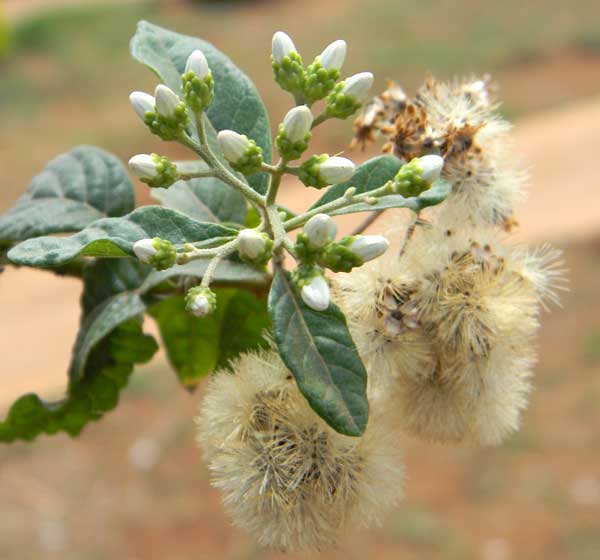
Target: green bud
x,y
319,81
255,247
242,153
157,252
170,115
154,170
289,72
310,171
339,257
418,175
198,92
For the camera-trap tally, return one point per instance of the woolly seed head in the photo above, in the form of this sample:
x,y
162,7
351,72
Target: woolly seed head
x,y
286,477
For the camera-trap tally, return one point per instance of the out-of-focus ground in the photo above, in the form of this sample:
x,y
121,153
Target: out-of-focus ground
x,y
134,486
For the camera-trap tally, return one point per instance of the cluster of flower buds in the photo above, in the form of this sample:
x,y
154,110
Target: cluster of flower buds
x,y
197,82
321,170
318,80
255,247
294,133
242,153
418,175
154,170
317,249
158,253
200,301
165,113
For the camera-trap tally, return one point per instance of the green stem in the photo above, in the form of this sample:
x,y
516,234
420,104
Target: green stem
x,y
220,171
336,205
319,119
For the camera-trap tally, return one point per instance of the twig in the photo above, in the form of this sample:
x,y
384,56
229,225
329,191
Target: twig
x,y
371,219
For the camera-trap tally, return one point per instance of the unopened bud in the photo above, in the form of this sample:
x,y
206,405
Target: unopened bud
x,y
167,101
200,301
197,83
254,246
297,123
348,96
287,64
431,166
197,64
332,58
240,151
336,170
294,133
157,252
418,175
320,230
142,103
282,45
315,293
369,247
157,171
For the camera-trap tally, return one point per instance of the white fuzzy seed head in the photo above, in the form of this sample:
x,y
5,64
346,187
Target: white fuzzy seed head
x,y
320,230
142,103
297,123
197,64
143,165
336,170
287,478
334,55
358,86
316,293
232,144
282,46
167,101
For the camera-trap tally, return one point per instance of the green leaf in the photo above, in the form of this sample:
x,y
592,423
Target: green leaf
x,y
101,322
74,189
114,237
319,351
437,193
198,346
370,175
107,372
228,272
207,200
237,104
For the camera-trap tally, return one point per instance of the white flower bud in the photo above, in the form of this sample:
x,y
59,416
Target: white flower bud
x,y
251,243
358,86
297,123
282,46
369,247
432,167
143,165
167,101
233,145
197,64
316,293
142,103
336,170
144,250
332,58
199,306
320,230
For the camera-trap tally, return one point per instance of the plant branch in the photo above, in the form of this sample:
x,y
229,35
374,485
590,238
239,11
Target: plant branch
x,y
368,221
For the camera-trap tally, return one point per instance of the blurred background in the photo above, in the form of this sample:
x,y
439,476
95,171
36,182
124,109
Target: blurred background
x,y
133,487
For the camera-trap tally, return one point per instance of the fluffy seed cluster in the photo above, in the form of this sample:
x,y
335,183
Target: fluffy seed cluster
x,y
459,121
446,331
447,328
288,478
